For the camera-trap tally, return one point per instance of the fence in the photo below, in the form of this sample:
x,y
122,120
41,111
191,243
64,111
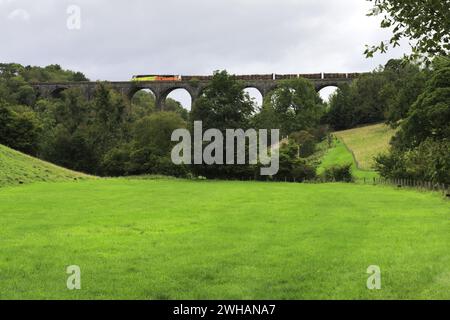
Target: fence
x,y
410,183
399,183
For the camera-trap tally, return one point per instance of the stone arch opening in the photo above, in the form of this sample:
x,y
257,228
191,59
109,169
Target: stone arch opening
x,y
57,93
326,92
176,98
255,96
143,101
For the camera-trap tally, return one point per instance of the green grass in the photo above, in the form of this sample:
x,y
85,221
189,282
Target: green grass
x,y
339,155
176,239
367,142
18,168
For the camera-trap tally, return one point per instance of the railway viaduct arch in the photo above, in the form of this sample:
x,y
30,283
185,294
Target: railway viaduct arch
x,y
193,84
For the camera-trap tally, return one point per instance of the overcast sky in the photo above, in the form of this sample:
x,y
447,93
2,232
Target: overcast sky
x,y
120,38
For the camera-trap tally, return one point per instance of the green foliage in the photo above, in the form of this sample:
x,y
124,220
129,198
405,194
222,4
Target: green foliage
x,y
172,105
143,104
306,141
430,161
149,150
341,111
19,129
155,131
292,165
358,104
223,104
339,173
384,95
293,106
430,114
51,73
420,149
424,23
404,83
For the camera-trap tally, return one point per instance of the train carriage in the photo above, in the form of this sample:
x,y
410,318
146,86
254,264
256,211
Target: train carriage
x,y
156,78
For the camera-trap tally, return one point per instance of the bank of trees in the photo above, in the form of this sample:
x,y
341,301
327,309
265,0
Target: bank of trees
x,y
107,135
421,148
110,135
384,95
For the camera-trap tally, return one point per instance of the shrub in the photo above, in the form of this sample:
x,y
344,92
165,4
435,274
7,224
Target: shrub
x,y
341,173
430,161
306,142
302,170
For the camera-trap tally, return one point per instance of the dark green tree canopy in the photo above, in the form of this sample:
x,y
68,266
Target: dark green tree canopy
x,y
223,105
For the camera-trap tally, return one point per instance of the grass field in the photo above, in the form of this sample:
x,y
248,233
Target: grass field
x,y
339,155
367,142
175,239
18,168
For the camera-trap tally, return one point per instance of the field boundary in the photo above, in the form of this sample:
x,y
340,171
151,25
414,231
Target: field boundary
x,y
412,184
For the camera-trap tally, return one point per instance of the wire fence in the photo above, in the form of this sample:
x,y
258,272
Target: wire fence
x,y
410,183
398,183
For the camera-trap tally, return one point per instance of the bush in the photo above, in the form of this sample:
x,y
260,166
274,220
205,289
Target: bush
x,y
306,142
303,171
19,130
430,161
342,173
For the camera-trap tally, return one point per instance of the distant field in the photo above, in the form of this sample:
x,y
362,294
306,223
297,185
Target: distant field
x,y
367,142
18,168
176,239
339,155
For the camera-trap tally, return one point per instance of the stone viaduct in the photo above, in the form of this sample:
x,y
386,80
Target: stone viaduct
x,y
194,85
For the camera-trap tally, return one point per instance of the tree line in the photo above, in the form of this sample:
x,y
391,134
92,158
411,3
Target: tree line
x,y
111,135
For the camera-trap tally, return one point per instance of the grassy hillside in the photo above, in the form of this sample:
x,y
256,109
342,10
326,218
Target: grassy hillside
x,y
367,142
161,239
18,168
339,155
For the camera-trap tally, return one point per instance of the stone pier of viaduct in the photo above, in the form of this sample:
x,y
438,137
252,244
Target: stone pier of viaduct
x,y
194,85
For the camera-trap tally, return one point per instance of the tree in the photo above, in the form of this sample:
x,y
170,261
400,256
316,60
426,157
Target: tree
x,y
175,106
421,148
371,105
405,81
359,103
292,166
424,22
149,152
20,128
293,106
306,142
156,130
223,104
79,76
341,111
429,116
142,104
